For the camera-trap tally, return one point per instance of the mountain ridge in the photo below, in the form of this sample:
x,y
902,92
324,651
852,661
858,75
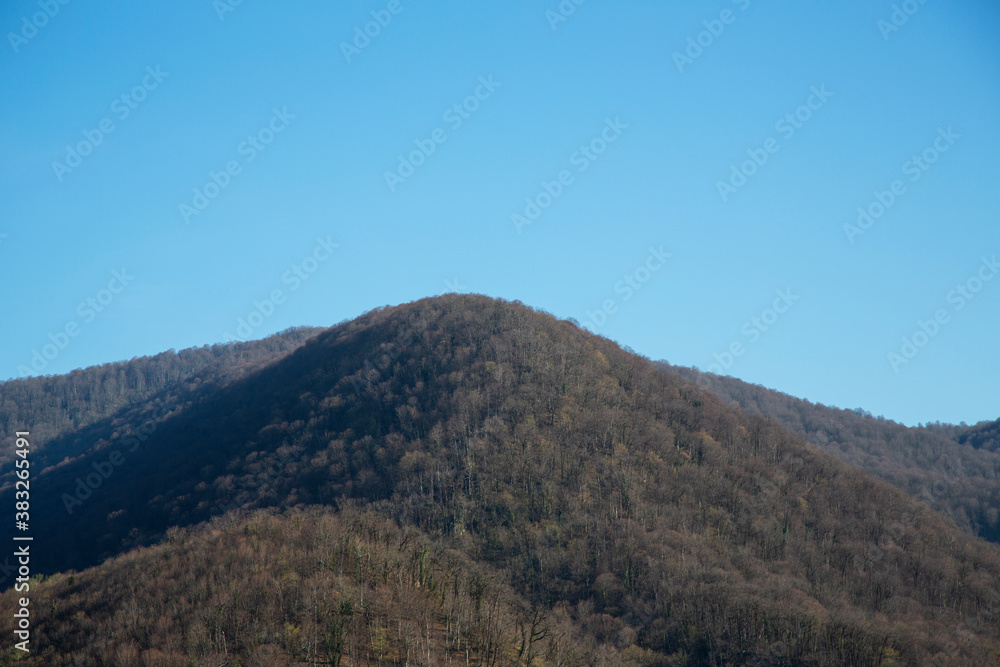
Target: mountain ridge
x,y
954,469
595,482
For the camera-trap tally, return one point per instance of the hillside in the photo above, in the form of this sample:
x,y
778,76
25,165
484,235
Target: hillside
x,y
53,405
303,588
984,435
954,469
612,497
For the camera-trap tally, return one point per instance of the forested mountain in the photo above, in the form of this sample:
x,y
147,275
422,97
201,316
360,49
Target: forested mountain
x,y
306,588
56,404
463,480
984,435
954,469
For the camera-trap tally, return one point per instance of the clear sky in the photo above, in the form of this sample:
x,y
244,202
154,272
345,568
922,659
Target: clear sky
x,y
684,178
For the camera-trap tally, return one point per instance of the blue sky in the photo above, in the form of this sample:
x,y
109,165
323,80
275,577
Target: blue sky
x,y
683,177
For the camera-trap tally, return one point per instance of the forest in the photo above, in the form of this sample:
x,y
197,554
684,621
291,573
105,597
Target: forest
x,y
954,469
57,404
464,480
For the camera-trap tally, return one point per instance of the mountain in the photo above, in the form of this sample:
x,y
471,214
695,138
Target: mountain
x,y
66,408
984,435
616,508
53,405
301,588
954,469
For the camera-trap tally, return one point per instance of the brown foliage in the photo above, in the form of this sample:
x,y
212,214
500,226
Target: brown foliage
x,y
642,517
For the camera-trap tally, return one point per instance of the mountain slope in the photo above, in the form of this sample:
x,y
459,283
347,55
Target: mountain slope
x,y
303,588
984,435
53,405
955,470
657,517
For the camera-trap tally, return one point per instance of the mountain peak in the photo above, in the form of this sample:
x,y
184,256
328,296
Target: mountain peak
x,y
651,513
